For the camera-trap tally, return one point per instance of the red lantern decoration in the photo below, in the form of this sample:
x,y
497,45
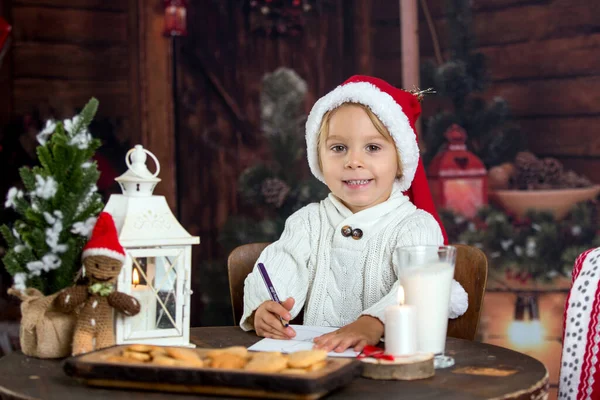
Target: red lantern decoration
x,y
175,17
457,177
5,29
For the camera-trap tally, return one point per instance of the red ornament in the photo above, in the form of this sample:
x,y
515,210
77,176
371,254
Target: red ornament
x,y
175,17
457,177
5,29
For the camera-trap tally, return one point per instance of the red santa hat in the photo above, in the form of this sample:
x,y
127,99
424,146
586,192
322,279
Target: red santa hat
x,y
104,240
398,110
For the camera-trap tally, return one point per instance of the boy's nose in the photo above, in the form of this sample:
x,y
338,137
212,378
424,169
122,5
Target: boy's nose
x,y
354,160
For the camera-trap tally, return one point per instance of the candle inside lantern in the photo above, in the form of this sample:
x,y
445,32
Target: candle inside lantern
x,y
400,327
146,318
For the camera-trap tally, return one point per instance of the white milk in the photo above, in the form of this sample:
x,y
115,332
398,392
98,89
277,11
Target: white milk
x,y
427,287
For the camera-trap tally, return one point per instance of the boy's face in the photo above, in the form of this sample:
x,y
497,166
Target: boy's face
x,y
359,164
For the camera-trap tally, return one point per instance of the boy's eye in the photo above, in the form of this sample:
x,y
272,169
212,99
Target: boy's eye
x,y
338,148
373,147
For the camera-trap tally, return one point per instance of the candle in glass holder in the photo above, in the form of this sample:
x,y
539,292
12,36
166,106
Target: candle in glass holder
x,y
400,327
146,319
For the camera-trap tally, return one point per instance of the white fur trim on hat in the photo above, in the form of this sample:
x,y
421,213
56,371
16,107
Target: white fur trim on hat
x,y
384,107
103,252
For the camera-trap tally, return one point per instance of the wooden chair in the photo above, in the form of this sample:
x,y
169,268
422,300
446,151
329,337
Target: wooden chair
x,y
471,272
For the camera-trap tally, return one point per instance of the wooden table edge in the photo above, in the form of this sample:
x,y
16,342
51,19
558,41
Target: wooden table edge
x,y
537,391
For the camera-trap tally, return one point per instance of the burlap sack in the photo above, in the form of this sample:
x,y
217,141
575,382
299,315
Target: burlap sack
x,y
45,332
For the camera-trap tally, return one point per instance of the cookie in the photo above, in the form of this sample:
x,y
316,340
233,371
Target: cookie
x,y
239,351
294,371
265,354
140,348
158,352
306,358
182,354
316,366
162,360
267,364
134,355
227,361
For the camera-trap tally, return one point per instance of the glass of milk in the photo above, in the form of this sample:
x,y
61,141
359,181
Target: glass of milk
x,y
426,273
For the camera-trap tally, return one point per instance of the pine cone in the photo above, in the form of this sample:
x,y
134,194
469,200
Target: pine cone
x,y
553,169
568,180
529,172
275,191
525,158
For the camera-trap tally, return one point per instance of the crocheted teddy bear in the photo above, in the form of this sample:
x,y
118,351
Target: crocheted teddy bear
x,y
103,257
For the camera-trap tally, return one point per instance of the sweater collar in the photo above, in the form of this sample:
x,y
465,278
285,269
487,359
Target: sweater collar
x,y
396,199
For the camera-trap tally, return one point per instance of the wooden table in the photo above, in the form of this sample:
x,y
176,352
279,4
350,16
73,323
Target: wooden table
x,y
472,377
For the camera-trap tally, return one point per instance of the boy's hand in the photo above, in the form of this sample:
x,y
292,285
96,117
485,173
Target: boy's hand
x,y
267,323
365,330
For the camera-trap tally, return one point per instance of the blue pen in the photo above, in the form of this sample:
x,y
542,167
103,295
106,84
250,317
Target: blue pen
x,y
270,288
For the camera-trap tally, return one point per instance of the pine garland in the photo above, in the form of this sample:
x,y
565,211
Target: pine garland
x,y
57,206
537,247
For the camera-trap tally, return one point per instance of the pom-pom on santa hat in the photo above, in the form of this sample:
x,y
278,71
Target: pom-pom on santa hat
x,y
398,110
104,240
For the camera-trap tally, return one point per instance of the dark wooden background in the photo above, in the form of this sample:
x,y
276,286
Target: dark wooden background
x,y
194,101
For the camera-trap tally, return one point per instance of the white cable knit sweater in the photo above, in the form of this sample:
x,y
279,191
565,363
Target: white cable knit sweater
x,y
336,278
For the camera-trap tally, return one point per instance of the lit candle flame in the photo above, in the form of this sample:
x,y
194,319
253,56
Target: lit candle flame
x,y
135,278
400,295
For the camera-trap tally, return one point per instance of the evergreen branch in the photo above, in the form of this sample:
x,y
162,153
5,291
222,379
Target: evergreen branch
x,y
8,236
45,158
86,115
28,178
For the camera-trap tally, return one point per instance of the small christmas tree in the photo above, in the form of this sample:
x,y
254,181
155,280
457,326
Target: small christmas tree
x,y
277,188
57,208
492,134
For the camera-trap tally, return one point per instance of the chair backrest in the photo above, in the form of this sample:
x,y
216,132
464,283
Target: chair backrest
x,y
471,273
239,264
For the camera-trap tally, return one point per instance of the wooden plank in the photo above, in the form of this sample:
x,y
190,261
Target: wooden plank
x,y
133,136
559,20
389,69
30,94
119,5
6,71
69,26
574,136
564,57
588,167
438,7
71,61
565,97
362,32
156,97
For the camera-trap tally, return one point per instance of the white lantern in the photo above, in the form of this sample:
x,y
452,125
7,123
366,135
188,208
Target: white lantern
x,y
157,269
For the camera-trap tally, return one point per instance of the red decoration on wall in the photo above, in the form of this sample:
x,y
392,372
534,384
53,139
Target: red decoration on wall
x,y
457,177
175,17
5,29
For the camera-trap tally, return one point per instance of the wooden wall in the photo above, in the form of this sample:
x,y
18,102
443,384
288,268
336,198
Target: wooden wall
x,y
220,67
544,59
64,52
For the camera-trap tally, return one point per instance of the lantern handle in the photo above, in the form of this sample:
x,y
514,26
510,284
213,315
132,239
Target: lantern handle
x,y
136,148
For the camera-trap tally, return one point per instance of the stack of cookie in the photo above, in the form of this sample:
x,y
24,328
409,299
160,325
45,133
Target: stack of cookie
x,y
233,358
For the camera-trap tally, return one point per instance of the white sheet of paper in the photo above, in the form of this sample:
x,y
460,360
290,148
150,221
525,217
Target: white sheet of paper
x,y
302,341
